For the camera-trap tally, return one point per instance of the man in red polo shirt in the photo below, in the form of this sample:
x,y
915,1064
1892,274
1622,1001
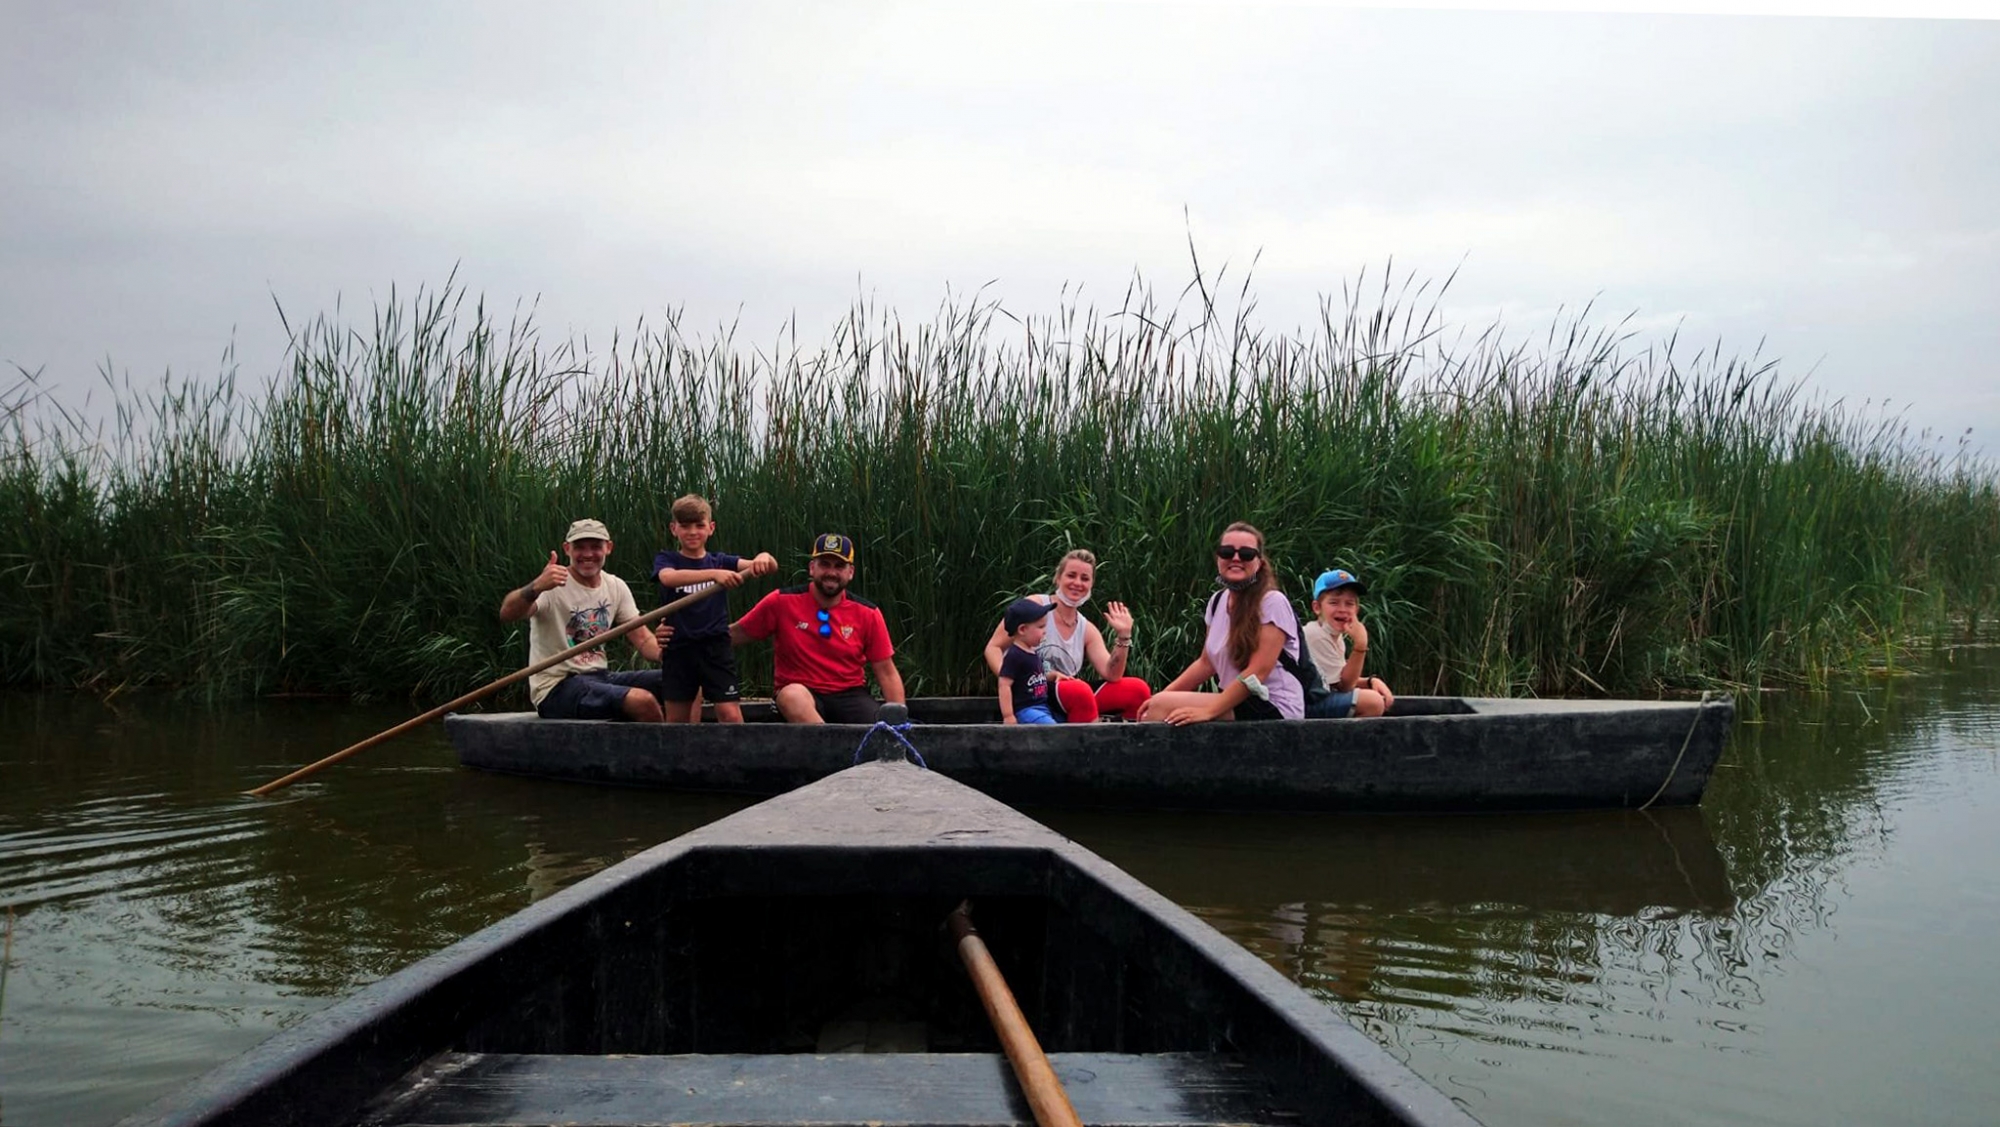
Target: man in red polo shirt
x,y
824,642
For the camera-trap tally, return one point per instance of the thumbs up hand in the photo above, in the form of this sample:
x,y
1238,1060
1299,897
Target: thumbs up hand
x,y
553,575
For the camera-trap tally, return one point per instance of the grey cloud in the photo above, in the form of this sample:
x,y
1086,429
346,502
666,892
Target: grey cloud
x,y
1823,184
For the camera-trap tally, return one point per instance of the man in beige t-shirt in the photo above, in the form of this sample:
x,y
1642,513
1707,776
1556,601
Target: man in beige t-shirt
x,y
568,605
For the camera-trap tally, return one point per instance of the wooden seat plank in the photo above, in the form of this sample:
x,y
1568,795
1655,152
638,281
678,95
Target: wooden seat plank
x,y
892,1090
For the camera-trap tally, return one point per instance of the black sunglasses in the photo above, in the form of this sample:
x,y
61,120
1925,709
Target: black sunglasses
x,y
1232,552
825,625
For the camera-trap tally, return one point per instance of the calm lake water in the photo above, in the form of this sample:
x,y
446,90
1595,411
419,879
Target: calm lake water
x,y
1814,944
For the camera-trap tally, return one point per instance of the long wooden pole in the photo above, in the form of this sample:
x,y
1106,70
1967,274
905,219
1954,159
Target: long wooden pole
x,y
619,631
1039,1082
6,957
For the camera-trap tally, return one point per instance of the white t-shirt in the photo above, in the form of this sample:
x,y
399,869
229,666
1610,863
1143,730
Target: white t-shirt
x,y
569,614
1328,649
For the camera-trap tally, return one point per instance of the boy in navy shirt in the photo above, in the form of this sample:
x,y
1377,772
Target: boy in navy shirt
x,y
697,660
1024,687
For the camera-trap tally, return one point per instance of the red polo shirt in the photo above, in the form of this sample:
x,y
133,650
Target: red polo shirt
x,y
824,663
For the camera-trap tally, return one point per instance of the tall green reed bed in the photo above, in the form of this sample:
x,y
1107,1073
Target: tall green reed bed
x,y
1572,514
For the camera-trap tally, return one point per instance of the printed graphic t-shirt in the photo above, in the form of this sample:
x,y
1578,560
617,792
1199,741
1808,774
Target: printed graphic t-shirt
x,y
824,663
570,614
707,618
1030,685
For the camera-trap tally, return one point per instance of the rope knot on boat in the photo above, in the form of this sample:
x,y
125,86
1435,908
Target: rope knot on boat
x,y
895,720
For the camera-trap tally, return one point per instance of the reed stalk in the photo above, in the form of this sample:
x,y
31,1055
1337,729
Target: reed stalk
x,y
1578,513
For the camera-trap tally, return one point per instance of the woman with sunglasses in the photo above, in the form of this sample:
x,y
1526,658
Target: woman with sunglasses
x,y
1073,642
1250,622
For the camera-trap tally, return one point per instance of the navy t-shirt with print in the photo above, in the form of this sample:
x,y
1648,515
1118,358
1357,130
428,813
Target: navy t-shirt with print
x,y
1031,685
707,618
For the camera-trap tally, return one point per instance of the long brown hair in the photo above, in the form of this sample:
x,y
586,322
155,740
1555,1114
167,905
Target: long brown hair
x,y
1245,623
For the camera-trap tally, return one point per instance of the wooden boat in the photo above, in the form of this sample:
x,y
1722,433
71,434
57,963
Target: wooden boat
x,y
787,965
1430,754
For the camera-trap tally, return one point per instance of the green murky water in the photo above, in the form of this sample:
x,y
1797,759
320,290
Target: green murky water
x,y
1812,945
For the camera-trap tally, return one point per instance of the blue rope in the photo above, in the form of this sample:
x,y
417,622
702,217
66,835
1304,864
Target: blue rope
x,y
897,731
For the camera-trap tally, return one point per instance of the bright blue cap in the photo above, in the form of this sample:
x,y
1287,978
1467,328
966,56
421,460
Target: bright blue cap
x,y
1335,579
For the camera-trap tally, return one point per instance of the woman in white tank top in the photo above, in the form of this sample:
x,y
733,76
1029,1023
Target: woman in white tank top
x,y
1073,642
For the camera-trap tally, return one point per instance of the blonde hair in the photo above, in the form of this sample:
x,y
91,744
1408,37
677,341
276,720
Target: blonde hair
x,y
692,509
1080,555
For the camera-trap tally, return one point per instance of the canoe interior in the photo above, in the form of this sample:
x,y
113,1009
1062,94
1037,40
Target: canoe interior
x,y
789,965
752,1006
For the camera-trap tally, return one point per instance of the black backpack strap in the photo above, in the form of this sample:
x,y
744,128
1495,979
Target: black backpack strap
x,y
1306,670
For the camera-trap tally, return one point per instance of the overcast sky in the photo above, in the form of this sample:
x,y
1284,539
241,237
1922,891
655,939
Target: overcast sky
x,y
1829,187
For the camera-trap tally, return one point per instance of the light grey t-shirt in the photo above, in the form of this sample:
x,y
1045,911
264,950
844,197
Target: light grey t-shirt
x,y
1064,655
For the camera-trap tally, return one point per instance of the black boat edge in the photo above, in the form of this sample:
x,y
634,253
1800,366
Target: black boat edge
x,y
1111,971
1432,755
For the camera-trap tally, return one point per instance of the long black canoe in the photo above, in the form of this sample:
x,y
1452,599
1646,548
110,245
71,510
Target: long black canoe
x,y
787,965
1431,754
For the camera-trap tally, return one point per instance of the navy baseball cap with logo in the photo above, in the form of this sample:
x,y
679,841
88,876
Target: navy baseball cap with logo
x,y
833,544
1336,579
1025,611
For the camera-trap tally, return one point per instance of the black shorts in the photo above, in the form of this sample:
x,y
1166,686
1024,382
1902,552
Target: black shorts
x,y
596,695
1257,708
704,665
848,706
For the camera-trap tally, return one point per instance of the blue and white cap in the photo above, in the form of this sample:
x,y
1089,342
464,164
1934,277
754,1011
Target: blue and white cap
x,y
1336,579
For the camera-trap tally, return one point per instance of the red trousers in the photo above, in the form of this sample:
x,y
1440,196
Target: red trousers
x,y
1081,706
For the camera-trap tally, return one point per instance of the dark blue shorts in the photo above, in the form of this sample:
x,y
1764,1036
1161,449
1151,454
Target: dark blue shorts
x,y
1335,705
595,696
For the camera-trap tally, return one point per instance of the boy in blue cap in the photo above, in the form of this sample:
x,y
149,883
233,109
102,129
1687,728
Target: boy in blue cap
x,y
1338,643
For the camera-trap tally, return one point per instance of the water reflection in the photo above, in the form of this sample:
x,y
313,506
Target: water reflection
x,y
1487,950
165,922
1525,930
1611,862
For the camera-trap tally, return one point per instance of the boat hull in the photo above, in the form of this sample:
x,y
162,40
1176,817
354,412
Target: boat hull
x,y
1436,754
722,976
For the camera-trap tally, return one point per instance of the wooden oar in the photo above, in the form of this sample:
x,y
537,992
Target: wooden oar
x,y
1039,1083
618,631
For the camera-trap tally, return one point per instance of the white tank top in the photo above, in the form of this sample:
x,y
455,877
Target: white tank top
x,y
1063,656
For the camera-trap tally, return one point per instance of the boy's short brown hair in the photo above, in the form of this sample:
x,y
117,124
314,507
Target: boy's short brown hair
x,y
692,509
